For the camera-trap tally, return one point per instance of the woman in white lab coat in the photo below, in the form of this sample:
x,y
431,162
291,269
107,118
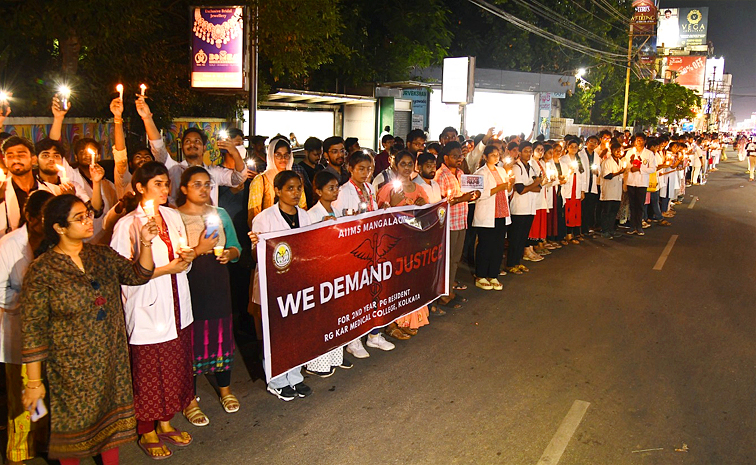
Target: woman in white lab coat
x,y
158,314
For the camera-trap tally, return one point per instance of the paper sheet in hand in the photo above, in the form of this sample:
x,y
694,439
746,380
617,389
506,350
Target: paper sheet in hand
x,y
471,182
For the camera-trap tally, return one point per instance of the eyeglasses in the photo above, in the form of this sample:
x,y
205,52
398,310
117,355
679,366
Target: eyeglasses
x,y
84,218
279,156
200,185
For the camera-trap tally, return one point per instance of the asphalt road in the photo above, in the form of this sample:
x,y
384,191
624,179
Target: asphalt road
x,y
665,360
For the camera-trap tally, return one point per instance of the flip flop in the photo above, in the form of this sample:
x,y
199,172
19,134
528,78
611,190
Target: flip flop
x,y
153,445
169,438
459,298
459,287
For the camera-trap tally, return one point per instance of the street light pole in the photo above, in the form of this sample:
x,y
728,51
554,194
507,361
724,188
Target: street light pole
x,y
627,78
252,83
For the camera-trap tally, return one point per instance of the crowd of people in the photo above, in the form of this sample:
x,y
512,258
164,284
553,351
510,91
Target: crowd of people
x,y
117,294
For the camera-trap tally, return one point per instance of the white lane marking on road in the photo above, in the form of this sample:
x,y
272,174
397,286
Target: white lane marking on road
x,y
558,444
665,253
692,203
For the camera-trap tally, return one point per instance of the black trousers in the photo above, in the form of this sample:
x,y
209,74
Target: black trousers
x,y
518,238
636,198
490,250
609,209
468,250
590,208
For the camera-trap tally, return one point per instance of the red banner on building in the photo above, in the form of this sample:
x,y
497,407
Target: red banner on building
x,y
325,285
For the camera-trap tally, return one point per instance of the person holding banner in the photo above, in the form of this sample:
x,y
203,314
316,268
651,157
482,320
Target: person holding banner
x,y
491,219
402,192
284,214
158,314
357,196
215,245
326,189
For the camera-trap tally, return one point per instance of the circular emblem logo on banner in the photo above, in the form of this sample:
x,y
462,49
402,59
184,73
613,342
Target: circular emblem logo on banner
x,y
441,214
694,17
282,256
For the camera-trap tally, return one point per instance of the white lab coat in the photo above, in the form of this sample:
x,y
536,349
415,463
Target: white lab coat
x,y
589,173
318,212
270,220
15,257
109,199
611,189
485,205
525,203
576,177
648,166
349,198
149,308
10,213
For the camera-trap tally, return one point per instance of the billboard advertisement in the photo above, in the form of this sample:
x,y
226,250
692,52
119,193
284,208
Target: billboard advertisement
x,y
218,47
690,70
682,27
644,17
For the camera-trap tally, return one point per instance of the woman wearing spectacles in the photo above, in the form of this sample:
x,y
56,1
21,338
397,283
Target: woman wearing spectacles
x,y
211,234
73,321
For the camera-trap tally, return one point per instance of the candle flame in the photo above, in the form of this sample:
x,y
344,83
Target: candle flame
x,y
64,91
397,184
119,87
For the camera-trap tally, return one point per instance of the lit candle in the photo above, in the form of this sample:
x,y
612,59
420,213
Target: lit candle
x,y
397,185
2,176
143,87
182,244
507,160
65,93
251,164
149,208
363,207
448,194
223,134
62,174
3,97
119,88
594,168
93,156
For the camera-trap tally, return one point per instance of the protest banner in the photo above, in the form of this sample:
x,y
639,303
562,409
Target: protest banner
x,y
325,285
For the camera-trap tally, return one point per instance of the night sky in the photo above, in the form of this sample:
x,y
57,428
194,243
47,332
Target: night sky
x,y
732,30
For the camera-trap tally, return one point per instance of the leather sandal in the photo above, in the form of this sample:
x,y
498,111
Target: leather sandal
x,y
408,331
394,331
196,417
230,403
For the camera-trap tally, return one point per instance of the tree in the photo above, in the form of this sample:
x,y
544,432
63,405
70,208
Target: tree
x,y
650,101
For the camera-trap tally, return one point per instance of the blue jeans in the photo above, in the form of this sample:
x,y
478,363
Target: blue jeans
x,y
655,205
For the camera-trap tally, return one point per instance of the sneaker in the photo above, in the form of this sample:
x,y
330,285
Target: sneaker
x,y
286,393
321,374
483,283
496,284
355,348
302,390
346,364
379,342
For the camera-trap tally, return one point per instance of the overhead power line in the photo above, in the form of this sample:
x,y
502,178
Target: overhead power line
x,y
608,9
598,17
551,15
603,55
